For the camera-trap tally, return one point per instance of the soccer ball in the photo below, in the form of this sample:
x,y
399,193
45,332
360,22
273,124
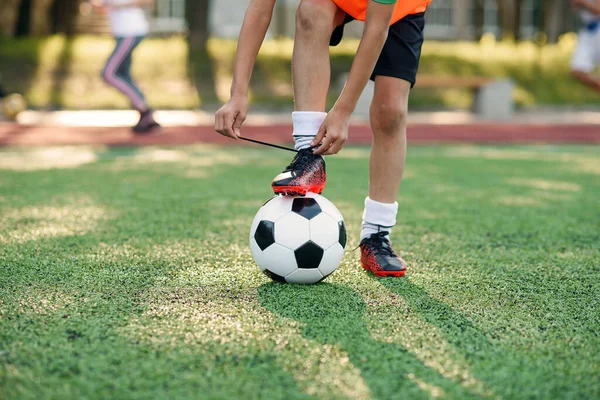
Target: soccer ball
x,y
298,239
13,104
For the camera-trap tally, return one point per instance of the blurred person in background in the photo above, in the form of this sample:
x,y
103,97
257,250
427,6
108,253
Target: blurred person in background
x,y
129,26
587,53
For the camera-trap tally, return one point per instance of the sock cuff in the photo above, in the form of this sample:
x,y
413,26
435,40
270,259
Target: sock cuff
x,y
382,214
303,115
307,123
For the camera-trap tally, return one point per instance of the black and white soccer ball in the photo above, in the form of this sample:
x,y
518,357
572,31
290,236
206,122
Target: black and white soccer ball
x,y
298,239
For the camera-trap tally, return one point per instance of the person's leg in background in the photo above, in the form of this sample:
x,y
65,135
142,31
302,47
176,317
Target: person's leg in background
x,y
117,73
587,78
586,57
311,69
124,72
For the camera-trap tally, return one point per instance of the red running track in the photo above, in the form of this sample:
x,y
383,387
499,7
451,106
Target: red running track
x,y
478,133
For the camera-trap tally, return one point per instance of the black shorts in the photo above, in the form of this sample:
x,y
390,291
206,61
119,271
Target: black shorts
x,y
402,50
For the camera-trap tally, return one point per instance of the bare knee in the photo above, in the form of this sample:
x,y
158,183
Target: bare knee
x,y
315,16
389,120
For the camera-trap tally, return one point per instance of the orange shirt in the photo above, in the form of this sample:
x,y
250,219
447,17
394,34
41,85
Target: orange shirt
x,y
358,8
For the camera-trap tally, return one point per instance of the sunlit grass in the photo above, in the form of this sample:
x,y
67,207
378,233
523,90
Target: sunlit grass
x,y
21,225
547,185
46,158
129,276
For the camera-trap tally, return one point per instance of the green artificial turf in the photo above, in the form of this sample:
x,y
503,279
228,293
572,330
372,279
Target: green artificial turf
x,y
126,273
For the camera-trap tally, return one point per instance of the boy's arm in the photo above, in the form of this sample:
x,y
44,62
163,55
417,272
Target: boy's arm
x,y
232,115
334,130
591,6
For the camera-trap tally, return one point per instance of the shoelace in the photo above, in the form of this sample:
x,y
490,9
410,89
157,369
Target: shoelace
x,y
381,244
301,160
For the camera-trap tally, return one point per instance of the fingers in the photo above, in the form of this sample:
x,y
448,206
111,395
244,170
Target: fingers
x,y
228,120
332,144
224,121
237,124
320,136
322,140
335,147
331,138
324,147
219,122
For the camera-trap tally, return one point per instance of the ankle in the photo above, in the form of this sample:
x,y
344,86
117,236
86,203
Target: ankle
x,y
368,230
306,127
378,217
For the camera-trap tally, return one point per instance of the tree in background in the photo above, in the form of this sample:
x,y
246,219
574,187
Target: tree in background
x,y
478,18
64,15
41,17
38,17
197,15
553,19
9,16
200,68
509,15
518,18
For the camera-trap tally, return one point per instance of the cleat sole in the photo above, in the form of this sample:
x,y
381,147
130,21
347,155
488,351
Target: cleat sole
x,y
297,191
386,274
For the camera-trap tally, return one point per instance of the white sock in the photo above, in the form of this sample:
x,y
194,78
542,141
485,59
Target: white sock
x,y
378,217
306,127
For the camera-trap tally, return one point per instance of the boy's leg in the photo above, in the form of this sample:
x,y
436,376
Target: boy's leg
x,y
315,22
394,75
311,67
388,114
386,166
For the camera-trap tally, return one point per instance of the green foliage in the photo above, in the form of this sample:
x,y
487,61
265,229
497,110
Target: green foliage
x,y
126,274
55,72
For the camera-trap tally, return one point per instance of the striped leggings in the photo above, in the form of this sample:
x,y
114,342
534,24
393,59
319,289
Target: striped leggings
x,y
117,71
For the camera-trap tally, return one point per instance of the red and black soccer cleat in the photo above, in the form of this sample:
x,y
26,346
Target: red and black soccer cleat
x,y
377,256
305,174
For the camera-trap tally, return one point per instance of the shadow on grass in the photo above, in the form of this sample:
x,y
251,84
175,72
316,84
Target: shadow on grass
x,y
37,68
334,314
201,72
60,74
500,369
18,63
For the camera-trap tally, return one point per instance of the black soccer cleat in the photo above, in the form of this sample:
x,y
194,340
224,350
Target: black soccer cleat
x,y
306,173
377,256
